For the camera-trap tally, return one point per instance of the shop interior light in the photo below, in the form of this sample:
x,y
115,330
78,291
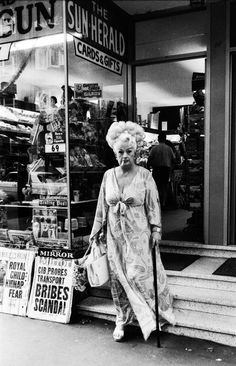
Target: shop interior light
x,y
40,42
93,101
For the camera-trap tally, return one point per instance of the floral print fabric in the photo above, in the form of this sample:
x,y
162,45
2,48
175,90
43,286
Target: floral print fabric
x,y
126,218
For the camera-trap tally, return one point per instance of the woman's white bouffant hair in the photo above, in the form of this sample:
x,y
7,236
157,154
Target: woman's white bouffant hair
x,y
125,131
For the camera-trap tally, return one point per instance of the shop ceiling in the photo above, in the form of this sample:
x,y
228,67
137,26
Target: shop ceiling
x,y
147,7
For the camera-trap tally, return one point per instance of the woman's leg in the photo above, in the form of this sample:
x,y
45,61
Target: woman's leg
x,y
124,312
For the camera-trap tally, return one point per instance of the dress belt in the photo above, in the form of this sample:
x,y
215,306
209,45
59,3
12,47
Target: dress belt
x,y
121,206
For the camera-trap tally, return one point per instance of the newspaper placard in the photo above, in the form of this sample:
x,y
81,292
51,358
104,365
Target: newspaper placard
x,y
15,279
52,289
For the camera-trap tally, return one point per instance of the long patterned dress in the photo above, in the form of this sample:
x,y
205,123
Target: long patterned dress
x,y
126,218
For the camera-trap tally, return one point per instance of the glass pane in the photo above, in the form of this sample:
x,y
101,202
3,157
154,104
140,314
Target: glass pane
x,y
170,99
173,35
232,191
97,100
33,186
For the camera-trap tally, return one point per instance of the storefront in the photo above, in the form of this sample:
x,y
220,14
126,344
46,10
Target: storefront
x,y
68,69
64,79
61,88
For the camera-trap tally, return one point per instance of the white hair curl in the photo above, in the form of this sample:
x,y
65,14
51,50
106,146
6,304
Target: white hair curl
x,y
121,131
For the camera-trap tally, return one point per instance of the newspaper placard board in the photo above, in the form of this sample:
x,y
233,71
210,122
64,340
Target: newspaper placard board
x,y
15,280
52,289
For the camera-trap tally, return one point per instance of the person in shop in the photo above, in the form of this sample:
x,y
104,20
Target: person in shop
x,y
70,94
53,103
161,159
142,158
128,217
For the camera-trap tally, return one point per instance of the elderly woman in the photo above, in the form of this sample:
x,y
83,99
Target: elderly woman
x,y
128,215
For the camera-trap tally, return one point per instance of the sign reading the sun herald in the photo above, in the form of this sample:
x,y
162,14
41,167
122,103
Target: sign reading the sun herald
x,y
99,34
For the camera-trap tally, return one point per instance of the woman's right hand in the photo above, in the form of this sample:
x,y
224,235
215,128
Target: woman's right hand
x,y
155,238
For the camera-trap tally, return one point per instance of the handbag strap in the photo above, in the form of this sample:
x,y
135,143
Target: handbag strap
x,y
85,254
88,249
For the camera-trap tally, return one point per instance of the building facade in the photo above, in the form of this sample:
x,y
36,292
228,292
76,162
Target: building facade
x,y
71,68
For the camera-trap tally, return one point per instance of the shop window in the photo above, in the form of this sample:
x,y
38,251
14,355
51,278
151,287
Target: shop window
x,y
39,192
170,100
41,58
33,181
96,100
54,57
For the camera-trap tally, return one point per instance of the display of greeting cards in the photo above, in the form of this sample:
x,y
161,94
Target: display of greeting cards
x,y
45,224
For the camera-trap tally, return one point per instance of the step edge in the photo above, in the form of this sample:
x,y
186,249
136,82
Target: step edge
x,y
197,276
221,319
225,339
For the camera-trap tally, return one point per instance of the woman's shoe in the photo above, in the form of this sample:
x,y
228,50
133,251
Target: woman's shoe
x,y
118,334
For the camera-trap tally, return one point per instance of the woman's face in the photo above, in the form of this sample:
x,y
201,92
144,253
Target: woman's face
x,y
52,102
125,154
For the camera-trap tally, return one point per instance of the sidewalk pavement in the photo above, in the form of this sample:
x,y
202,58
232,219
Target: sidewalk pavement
x,y
29,342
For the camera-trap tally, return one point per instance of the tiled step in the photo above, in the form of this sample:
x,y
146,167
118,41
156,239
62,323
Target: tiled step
x,y
184,295
210,322
226,339
204,304
196,280
204,265
198,324
218,328
204,295
97,307
189,248
100,292
204,307
204,300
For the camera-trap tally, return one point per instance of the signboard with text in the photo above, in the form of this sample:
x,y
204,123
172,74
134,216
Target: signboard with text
x,y
97,57
101,32
27,19
52,289
15,280
90,90
55,148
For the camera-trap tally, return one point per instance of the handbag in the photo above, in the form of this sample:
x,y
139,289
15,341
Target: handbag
x,y
80,279
97,266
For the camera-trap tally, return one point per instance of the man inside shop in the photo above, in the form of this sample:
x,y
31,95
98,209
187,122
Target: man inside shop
x,y
161,159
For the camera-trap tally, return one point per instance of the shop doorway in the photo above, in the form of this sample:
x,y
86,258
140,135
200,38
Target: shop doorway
x,y
232,200
170,99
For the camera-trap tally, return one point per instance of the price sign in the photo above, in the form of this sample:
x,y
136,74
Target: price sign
x,y
4,51
55,148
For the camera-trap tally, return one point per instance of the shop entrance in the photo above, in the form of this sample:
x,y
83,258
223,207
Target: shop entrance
x,y
232,224
170,101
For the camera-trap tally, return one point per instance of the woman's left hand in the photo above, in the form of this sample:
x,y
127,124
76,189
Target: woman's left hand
x,y
155,238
